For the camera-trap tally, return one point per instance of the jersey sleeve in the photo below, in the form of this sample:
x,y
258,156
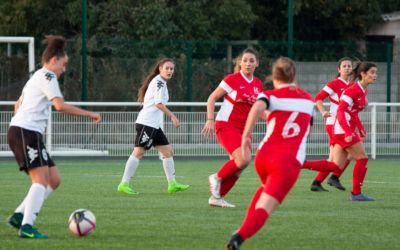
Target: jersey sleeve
x,y
322,95
228,84
51,88
159,89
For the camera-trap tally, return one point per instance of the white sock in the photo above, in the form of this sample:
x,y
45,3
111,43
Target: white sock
x,y
130,168
49,190
21,207
169,168
33,203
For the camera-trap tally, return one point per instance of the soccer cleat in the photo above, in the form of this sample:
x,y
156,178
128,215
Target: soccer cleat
x,y
124,187
215,185
360,197
234,243
317,187
335,182
219,202
29,232
15,220
174,187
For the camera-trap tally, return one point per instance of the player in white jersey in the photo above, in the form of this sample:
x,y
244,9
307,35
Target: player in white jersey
x,y
25,135
154,95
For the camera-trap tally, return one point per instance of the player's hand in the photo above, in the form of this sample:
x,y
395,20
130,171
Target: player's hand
x,y
95,117
326,114
175,121
363,134
208,129
348,138
246,147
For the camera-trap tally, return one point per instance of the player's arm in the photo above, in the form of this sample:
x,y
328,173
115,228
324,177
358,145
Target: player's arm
x,y
208,129
256,111
341,117
17,105
61,106
360,127
319,98
175,121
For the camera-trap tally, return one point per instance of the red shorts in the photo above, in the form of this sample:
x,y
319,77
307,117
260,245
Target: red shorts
x,y
278,172
339,139
329,131
230,138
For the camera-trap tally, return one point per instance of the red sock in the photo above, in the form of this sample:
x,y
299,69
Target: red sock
x,y
254,221
339,173
254,201
228,169
359,172
227,184
321,176
320,165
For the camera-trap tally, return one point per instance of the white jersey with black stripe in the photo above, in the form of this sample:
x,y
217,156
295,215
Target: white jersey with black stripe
x,y
157,92
35,101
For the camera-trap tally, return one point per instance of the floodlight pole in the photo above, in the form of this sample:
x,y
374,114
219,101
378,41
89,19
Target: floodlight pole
x,y
290,28
84,51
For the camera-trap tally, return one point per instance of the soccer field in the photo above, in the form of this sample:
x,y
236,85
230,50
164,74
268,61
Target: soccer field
x,y
155,219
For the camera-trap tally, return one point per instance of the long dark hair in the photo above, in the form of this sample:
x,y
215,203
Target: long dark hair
x,y
55,47
154,71
238,59
361,67
340,63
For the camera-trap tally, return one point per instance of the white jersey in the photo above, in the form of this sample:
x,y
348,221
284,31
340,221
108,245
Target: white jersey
x,y
157,92
35,101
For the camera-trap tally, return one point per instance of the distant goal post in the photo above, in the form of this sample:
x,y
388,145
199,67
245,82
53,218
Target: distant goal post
x,y
30,41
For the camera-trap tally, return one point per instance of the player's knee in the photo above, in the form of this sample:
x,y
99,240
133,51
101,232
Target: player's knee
x,y
242,162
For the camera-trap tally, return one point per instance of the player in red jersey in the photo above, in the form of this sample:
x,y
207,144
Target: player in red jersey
x,y
333,90
240,91
346,140
282,151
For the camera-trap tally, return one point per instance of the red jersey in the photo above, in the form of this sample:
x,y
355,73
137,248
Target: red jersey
x,y
288,124
352,101
241,94
334,90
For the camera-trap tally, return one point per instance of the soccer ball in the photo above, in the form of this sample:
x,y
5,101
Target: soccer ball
x,y
81,222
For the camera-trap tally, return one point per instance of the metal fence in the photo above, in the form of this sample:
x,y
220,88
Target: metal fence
x,y
114,136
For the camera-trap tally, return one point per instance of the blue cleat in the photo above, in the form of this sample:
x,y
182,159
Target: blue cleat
x,y
360,197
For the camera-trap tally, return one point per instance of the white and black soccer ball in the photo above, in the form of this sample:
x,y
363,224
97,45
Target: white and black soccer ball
x,y
81,222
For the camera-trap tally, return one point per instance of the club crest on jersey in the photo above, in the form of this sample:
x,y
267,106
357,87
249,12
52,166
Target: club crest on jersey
x,y
159,85
256,91
49,76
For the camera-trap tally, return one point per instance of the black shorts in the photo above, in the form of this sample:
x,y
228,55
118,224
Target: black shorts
x,y
146,137
28,148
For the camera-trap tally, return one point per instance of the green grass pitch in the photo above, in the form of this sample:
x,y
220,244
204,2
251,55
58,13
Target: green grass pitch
x,y
156,219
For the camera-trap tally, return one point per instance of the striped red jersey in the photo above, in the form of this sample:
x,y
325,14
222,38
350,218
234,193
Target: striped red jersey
x,y
288,123
334,90
352,101
241,94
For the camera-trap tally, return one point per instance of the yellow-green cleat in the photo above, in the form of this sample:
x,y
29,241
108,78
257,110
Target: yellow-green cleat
x,y
28,232
124,187
174,187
